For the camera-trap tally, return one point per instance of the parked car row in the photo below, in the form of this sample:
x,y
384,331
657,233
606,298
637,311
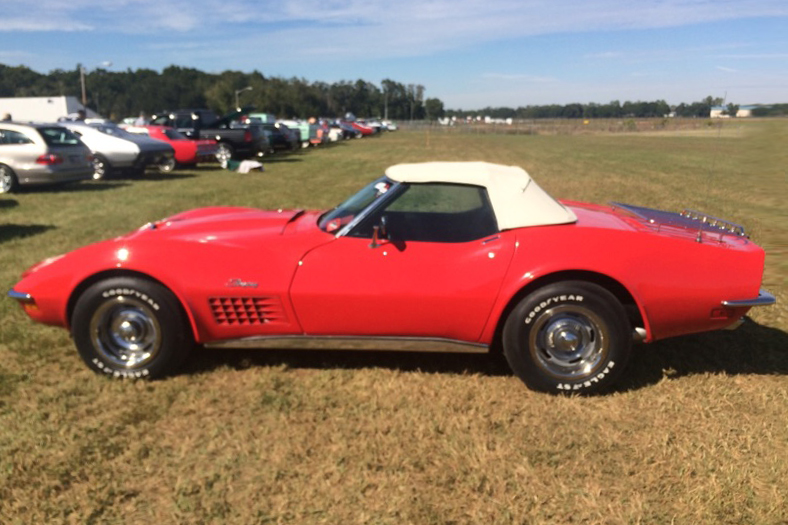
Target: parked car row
x,y
201,124
286,133
115,149
96,148
187,152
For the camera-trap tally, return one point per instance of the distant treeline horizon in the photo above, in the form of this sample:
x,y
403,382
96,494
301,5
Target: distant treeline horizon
x,y
616,109
120,94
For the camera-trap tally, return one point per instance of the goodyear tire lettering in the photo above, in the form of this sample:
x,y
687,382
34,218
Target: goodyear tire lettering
x,y
551,300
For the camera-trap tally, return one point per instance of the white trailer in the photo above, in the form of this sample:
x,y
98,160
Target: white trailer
x,y
41,109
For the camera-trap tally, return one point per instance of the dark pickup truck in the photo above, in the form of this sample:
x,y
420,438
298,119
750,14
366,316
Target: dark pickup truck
x,y
234,142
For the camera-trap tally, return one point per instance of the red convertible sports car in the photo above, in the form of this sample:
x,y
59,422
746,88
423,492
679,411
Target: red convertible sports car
x,y
433,256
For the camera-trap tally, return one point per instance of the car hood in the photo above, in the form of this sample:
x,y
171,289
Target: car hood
x,y
219,223
225,120
148,144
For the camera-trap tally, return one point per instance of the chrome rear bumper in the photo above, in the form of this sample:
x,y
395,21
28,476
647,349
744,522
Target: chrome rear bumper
x,y
764,299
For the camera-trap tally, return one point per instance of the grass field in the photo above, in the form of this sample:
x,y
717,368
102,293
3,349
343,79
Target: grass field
x,y
697,433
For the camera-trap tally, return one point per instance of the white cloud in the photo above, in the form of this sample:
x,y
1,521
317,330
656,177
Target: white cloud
x,y
430,23
518,77
607,55
755,56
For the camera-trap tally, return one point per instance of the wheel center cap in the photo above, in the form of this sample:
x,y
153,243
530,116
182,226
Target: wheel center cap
x,y
566,341
129,331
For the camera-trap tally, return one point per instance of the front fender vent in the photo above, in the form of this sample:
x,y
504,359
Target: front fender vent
x,y
246,310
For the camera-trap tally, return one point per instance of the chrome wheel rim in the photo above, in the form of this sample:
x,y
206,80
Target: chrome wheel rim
x,y
99,169
125,332
223,153
569,342
167,166
6,180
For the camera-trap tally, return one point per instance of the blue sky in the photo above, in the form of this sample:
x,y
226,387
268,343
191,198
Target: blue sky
x,y
468,53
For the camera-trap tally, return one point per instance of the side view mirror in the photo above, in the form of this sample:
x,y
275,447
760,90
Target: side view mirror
x,y
379,232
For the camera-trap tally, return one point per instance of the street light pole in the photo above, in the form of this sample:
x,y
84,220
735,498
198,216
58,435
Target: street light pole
x,y
238,92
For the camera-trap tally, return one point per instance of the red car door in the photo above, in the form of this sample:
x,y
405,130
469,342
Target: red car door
x,y
429,280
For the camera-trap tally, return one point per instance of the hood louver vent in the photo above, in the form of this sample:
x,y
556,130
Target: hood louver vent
x,y
246,310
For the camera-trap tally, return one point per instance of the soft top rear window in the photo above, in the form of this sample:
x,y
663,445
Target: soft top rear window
x,y
57,136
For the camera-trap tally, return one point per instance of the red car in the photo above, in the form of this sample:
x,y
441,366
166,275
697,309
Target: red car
x,y
187,151
432,256
362,128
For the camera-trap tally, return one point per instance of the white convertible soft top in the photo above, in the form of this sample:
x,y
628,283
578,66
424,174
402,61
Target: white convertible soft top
x,y
517,200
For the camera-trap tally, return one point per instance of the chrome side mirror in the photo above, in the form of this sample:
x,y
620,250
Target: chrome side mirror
x,y
379,232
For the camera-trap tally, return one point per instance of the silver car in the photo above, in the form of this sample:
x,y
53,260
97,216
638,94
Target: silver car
x,y
116,149
40,154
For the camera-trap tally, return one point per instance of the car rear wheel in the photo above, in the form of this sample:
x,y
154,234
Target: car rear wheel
x,y
8,180
568,337
101,167
130,327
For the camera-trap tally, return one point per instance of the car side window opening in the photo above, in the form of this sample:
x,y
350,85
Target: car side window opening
x,y
434,212
8,136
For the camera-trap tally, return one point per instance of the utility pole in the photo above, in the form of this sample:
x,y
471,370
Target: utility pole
x,y
82,81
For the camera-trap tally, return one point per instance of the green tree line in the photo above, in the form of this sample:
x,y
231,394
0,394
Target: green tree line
x,y
119,94
614,109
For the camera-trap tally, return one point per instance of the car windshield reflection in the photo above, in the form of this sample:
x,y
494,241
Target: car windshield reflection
x,y
343,214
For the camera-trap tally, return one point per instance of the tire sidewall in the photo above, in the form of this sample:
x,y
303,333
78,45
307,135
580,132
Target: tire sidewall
x,y
177,338
523,318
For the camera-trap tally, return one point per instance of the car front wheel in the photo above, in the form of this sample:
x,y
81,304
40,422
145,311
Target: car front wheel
x,y
568,337
130,327
167,165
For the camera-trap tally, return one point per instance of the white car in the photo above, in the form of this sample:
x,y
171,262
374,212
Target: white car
x,y
116,149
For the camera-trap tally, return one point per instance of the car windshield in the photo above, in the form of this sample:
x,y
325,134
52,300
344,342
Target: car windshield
x,y
333,220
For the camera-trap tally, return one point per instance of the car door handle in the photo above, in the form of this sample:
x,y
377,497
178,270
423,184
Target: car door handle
x,y
491,239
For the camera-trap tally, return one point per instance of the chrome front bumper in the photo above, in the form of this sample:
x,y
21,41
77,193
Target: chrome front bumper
x,y
764,299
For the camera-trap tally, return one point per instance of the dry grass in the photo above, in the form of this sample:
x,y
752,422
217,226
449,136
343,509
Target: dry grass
x,y
696,434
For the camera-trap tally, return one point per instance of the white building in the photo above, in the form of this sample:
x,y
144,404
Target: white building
x,y
41,109
722,111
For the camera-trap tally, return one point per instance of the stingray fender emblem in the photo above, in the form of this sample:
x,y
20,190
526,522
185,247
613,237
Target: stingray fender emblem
x,y
240,283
